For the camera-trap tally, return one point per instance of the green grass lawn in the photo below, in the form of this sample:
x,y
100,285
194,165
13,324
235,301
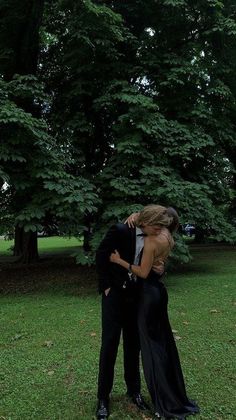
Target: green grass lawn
x,y
53,244
50,338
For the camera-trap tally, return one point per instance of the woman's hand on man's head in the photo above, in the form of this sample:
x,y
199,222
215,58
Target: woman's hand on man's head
x,y
131,220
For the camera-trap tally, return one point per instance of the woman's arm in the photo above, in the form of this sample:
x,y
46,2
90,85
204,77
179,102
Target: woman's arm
x,y
146,262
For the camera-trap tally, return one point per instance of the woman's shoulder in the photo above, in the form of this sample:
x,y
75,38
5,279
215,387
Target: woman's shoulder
x,y
149,241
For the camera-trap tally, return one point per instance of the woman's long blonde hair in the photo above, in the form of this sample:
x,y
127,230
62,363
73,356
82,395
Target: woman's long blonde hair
x,y
154,215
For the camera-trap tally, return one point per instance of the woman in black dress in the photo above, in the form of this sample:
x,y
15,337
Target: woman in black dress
x,y
160,358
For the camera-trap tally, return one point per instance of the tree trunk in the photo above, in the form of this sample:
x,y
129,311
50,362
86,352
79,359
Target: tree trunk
x,y
18,245
86,241
23,43
26,246
87,233
30,248
24,46
199,235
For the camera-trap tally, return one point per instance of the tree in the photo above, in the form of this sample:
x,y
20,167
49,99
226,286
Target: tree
x,y
147,104
32,163
20,57
142,105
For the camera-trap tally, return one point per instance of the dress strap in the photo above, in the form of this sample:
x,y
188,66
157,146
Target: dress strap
x,y
168,239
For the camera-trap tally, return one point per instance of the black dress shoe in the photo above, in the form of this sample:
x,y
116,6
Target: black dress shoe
x,y
102,412
138,400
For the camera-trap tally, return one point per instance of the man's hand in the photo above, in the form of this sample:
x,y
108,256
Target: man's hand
x,y
160,268
107,291
115,257
131,220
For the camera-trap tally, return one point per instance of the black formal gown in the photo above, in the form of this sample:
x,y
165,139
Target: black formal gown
x,y
160,357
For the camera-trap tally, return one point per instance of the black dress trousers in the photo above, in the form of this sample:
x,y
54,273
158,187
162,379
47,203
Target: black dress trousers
x,y
119,314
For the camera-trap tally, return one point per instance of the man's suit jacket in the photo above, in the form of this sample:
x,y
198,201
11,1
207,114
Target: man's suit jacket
x,y
123,239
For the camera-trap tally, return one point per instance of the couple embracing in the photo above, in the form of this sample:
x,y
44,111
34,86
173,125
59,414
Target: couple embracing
x,y
130,265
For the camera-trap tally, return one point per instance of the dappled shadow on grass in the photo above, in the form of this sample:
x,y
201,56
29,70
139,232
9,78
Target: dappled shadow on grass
x,y
206,259
191,268
61,275
57,275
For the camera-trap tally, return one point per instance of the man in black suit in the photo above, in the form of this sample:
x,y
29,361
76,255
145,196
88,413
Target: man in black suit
x,y
119,313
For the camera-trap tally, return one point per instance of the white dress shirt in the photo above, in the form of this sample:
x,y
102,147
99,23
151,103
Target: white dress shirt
x,y
139,246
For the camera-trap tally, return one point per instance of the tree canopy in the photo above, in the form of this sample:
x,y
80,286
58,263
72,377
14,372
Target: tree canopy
x,y
108,106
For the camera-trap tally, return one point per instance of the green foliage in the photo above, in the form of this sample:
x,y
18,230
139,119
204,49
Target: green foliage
x,y
133,103
34,168
85,258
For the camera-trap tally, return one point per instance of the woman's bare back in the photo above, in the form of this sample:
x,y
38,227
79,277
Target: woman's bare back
x,y
164,243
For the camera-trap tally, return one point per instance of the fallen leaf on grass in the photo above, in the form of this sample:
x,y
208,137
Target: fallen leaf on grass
x,y
174,331
214,311
144,417
51,372
177,337
48,343
93,334
185,322
17,337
